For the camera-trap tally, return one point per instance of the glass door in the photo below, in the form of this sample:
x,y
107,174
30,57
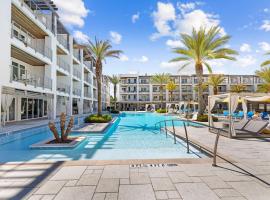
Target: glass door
x,y
24,108
30,108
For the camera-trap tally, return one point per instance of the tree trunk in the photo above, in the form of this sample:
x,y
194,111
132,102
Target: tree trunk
x,y
199,73
114,95
215,90
99,80
171,94
62,125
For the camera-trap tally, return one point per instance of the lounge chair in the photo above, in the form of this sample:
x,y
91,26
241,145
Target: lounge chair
x,y
225,113
238,125
250,114
252,128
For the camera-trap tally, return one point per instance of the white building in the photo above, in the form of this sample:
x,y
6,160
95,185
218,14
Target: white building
x,y
135,91
44,71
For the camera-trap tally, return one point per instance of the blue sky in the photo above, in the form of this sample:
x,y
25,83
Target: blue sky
x,y
146,30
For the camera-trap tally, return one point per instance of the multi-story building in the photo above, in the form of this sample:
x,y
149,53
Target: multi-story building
x,y
135,91
44,71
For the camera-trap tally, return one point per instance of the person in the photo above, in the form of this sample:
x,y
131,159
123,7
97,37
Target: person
x,y
256,115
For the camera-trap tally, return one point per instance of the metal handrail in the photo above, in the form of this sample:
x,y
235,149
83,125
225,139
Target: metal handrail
x,y
214,164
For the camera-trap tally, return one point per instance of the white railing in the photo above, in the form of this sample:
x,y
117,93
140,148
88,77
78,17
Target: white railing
x,y
39,14
77,92
88,93
76,54
62,40
22,75
29,40
63,64
89,65
87,78
76,73
62,87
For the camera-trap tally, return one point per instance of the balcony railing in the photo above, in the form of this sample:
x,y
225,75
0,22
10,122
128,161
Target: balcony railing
x,y
76,54
89,65
77,92
39,14
77,73
29,40
62,87
22,75
87,78
62,39
63,64
87,93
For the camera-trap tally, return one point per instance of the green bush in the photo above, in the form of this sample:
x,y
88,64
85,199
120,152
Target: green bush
x,y
161,110
98,119
204,118
115,111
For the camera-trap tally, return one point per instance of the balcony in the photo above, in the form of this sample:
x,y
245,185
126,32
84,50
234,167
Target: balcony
x,y
76,54
62,87
77,92
62,39
87,78
24,76
88,93
77,73
39,13
89,65
63,64
38,45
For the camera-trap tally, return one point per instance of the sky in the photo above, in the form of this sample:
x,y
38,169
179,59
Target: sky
x,y
147,30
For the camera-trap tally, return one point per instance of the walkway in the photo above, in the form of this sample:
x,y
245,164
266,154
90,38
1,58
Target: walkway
x,y
188,179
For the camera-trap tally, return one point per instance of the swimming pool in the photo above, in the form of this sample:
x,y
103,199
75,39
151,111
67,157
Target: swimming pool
x,y
133,136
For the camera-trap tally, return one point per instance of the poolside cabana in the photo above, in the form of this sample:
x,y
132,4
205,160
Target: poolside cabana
x,y
233,100
188,105
150,107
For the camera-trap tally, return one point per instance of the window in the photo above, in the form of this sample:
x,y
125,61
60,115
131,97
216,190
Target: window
x,y
35,108
45,108
30,108
12,111
24,108
40,108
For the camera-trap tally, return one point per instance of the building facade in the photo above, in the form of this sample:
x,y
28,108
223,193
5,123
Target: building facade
x,y
135,91
44,71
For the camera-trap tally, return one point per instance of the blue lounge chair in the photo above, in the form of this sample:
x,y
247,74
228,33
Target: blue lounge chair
x,y
226,113
250,114
264,115
240,114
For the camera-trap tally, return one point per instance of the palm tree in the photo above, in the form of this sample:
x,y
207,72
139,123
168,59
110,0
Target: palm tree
x,y
204,87
267,62
215,81
100,50
161,80
238,88
114,80
171,86
264,74
199,47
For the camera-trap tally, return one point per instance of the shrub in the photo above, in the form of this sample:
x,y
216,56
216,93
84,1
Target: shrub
x,y
161,110
204,118
115,111
98,119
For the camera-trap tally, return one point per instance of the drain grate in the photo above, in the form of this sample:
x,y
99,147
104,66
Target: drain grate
x,y
152,165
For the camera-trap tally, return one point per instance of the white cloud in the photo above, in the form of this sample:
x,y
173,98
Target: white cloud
x,y
143,59
266,10
245,47
170,23
265,26
174,43
115,37
265,46
123,58
197,18
80,37
246,61
162,17
135,17
171,65
72,12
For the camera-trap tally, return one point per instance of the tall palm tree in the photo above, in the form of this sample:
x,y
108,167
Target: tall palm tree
x,y
215,81
161,80
204,87
264,74
267,62
100,50
199,47
171,87
238,88
114,80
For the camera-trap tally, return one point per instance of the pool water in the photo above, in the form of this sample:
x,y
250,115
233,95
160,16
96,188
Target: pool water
x,y
133,136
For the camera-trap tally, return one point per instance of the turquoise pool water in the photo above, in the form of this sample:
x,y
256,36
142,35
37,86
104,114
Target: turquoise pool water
x,y
133,136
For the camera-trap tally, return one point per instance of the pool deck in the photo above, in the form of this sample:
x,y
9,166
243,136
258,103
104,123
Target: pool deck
x,y
190,179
